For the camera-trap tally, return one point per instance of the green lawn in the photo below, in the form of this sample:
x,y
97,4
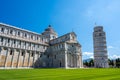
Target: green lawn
x,y
60,74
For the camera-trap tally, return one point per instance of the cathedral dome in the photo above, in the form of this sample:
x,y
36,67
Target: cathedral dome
x,y
49,29
50,33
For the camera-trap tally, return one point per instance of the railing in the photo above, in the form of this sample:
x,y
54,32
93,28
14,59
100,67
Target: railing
x,y
20,47
21,38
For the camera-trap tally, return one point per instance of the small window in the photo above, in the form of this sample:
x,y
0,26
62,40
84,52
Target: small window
x,y
19,42
11,52
22,54
95,35
37,38
100,30
25,35
32,55
0,49
8,40
41,55
62,45
72,46
43,47
29,44
55,56
31,36
42,39
38,46
48,64
11,31
2,30
73,37
18,33
1,39
100,34
65,37
14,41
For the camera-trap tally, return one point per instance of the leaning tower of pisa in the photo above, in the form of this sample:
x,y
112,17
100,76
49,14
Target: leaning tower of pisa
x,y
100,48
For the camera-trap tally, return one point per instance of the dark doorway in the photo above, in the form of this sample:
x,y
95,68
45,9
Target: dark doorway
x,y
60,64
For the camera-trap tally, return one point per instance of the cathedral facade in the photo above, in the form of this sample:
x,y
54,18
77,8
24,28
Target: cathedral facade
x,y
20,48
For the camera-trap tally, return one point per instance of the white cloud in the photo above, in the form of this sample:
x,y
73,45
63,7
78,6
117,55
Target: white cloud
x,y
87,53
91,56
110,47
114,56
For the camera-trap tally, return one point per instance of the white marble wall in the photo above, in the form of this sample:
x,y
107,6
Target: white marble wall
x,y
23,48
14,32
26,46
64,52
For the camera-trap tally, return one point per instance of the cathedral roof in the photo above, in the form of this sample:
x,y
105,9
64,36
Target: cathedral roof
x,y
50,29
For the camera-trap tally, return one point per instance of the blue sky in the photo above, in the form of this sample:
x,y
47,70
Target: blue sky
x,y
65,16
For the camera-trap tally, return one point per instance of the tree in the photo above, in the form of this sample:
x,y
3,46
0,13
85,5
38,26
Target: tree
x,y
118,62
86,63
89,63
111,62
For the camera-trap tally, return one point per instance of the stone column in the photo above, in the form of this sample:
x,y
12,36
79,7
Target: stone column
x,y
29,59
73,61
34,58
70,60
13,56
7,54
18,60
76,60
66,59
24,57
1,58
1,50
81,63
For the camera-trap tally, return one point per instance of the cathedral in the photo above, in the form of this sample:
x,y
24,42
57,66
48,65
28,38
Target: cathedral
x,y
20,48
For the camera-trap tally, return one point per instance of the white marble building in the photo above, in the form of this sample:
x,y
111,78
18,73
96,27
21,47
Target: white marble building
x,y
100,48
21,48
